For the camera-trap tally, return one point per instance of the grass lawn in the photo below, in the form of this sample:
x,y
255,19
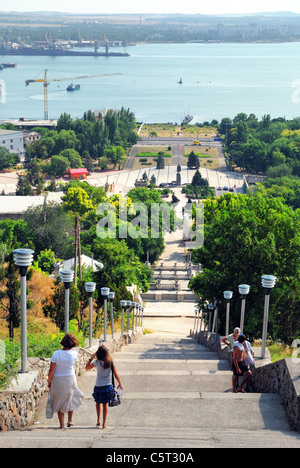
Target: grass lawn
x,y
189,131
201,151
138,165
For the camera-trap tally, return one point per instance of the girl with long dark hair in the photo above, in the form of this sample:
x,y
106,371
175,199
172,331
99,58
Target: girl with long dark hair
x,y
103,390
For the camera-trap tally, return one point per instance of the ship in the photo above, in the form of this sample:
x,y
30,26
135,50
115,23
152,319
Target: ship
x,y
9,65
71,87
187,119
56,52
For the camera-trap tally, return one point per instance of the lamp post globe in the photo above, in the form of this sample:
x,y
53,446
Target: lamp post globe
x,y
23,258
268,282
243,290
111,296
67,276
105,293
90,288
227,296
129,304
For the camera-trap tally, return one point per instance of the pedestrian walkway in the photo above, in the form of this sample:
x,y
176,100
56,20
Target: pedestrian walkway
x,y
177,394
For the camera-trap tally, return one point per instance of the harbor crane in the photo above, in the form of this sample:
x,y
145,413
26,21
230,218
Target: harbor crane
x,y
47,82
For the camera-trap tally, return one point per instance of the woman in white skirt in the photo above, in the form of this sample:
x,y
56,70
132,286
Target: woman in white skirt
x,y
65,395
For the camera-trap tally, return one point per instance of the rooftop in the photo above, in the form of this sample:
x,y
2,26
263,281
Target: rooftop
x,y
85,261
18,205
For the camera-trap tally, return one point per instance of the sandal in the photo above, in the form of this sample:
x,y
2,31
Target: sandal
x,y
241,390
70,424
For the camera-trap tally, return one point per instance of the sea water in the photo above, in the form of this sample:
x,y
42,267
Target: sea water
x,y
218,80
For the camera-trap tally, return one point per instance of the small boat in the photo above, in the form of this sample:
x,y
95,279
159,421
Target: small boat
x,y
71,87
187,119
180,81
10,65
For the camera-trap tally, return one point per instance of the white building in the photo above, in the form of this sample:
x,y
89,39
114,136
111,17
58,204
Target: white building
x,y
13,141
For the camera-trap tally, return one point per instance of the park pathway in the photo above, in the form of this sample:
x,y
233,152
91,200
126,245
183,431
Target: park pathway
x,y
177,394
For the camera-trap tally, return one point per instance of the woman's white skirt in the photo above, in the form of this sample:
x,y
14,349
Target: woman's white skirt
x,y
65,394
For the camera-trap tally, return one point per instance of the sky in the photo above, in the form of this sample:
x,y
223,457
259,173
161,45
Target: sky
x,y
154,6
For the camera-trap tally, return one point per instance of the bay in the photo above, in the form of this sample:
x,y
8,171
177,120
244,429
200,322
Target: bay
x,y
219,80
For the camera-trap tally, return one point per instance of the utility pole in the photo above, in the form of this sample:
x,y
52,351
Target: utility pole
x,y
77,250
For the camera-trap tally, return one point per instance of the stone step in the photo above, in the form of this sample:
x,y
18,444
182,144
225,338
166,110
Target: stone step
x,y
165,356
175,365
149,382
184,410
155,438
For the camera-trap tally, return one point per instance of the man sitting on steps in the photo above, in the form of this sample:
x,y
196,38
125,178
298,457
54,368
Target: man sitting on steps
x,y
240,369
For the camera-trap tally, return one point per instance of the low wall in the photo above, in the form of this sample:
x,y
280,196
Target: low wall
x,y
281,377
19,402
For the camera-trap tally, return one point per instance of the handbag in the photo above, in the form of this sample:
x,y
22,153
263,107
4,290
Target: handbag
x,y
115,399
49,408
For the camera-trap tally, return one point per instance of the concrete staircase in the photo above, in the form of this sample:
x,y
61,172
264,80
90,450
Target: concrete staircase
x,y
177,394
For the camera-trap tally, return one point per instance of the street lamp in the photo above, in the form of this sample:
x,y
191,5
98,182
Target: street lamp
x,y
129,303
111,297
243,290
195,322
142,317
210,308
134,304
268,282
105,293
67,276
23,259
227,296
90,288
123,305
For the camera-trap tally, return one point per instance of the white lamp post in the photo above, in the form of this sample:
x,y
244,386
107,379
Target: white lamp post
x,y
134,304
195,321
227,296
129,304
67,276
105,293
243,290
268,282
23,259
210,308
123,305
142,316
90,288
111,297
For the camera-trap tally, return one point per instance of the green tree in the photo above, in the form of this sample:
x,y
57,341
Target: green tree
x,y
46,260
6,158
77,201
54,306
244,238
193,161
72,156
160,161
59,166
10,297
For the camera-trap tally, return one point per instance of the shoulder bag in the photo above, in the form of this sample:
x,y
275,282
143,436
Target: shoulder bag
x,y
115,398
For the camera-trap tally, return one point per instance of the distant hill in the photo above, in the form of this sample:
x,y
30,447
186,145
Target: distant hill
x,y
24,28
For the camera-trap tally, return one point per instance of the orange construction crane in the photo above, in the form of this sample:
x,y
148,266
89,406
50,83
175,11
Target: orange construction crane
x,y
47,83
